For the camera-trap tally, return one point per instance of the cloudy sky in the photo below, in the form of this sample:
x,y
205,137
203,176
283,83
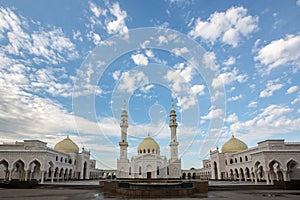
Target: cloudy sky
x,y
231,67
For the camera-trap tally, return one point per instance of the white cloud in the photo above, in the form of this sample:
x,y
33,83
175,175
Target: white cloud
x,y
230,61
232,118
140,59
279,52
96,10
179,82
227,78
209,60
213,113
235,98
298,2
292,89
132,80
297,99
117,26
227,26
252,104
271,87
147,88
180,51
96,38
198,89
270,121
50,46
116,75
77,35
162,40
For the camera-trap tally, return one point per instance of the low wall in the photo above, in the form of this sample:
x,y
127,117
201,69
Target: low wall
x,y
154,188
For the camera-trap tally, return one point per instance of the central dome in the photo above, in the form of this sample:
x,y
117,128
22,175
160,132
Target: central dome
x,y
148,145
234,145
66,146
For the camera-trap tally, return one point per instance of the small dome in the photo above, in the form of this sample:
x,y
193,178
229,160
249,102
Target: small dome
x,y
66,146
233,145
148,145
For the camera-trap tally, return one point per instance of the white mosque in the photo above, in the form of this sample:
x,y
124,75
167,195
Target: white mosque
x,y
33,159
271,161
148,163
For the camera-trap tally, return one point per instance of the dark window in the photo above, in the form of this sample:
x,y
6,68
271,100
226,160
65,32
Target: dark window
x,y
235,160
225,162
56,158
157,171
140,170
61,159
231,161
246,158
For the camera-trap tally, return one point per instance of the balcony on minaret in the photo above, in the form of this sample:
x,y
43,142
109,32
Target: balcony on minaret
x,y
123,143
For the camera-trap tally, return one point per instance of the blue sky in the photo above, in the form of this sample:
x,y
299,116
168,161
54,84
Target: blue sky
x,y
231,67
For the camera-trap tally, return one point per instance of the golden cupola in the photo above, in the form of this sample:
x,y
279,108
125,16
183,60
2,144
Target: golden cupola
x,y
148,145
234,145
67,146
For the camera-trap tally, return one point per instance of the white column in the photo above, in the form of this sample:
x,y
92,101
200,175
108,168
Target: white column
x,y
42,175
267,177
26,175
52,175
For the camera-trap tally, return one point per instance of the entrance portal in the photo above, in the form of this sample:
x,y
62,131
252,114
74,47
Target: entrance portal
x,y
148,175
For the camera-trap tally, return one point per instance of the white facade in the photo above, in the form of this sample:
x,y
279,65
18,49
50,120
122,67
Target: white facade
x,y
148,163
271,160
32,159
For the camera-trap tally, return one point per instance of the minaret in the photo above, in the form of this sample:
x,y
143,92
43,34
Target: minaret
x,y
173,126
124,125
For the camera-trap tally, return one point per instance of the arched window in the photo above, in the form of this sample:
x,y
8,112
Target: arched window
x,y
144,150
168,171
129,170
61,159
140,170
157,170
153,151
241,159
66,160
75,162
70,161
231,161
235,160
246,158
56,158
148,150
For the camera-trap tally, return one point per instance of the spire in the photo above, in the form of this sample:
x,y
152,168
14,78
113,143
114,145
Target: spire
x,y
172,104
124,105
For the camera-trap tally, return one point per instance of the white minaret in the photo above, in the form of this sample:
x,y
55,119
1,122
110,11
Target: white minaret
x,y
173,126
124,125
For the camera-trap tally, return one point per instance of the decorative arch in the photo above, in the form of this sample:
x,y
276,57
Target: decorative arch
x,y
247,173
4,173
84,170
293,170
18,170
34,169
215,170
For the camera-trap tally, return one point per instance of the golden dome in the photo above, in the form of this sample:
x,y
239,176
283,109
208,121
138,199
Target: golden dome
x,y
234,145
148,145
66,146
